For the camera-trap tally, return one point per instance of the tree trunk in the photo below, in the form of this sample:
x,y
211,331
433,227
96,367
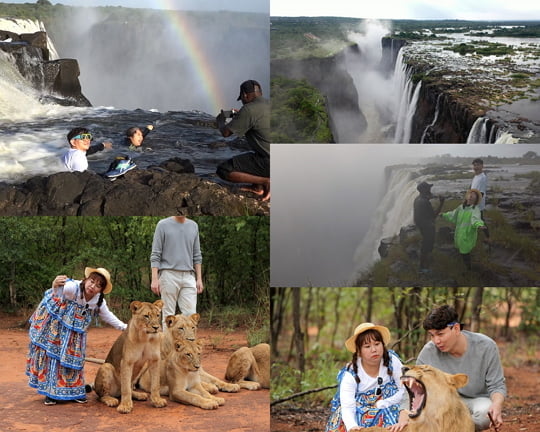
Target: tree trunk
x,y
476,309
298,336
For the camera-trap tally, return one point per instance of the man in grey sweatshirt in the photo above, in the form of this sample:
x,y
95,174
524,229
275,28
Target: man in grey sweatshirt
x,y
176,263
476,355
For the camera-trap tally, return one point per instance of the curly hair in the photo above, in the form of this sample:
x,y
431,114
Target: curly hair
x,y
368,335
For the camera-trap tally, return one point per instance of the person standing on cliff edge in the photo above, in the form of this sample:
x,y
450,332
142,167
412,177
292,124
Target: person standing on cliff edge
x,y
252,121
479,182
424,219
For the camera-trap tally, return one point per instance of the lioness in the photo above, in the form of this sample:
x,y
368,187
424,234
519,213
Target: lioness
x,y
137,346
181,378
250,367
181,327
434,401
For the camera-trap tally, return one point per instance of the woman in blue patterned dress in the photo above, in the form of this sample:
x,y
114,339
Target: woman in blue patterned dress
x,y
58,330
369,391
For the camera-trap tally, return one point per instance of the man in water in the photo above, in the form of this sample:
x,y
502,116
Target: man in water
x,y
79,140
424,219
252,121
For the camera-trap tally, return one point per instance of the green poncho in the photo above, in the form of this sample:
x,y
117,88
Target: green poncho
x,y
467,221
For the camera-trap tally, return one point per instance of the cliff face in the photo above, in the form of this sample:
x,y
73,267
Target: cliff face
x,y
57,80
331,77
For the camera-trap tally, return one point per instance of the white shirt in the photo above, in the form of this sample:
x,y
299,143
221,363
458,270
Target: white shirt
x,y
75,160
71,292
479,182
348,388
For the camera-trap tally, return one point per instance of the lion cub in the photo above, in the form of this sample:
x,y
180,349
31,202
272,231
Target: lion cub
x,y
250,367
181,327
137,347
182,369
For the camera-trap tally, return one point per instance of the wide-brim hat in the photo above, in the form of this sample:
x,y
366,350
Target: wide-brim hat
x,y
351,342
103,272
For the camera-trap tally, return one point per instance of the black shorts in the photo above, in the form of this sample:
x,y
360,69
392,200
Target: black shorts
x,y
251,163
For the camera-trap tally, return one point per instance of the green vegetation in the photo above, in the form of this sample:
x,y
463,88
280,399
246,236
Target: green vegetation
x,y
482,48
298,113
326,317
235,262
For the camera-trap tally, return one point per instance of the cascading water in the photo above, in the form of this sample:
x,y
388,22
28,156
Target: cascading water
x,y
408,97
34,132
435,118
394,211
386,98
480,133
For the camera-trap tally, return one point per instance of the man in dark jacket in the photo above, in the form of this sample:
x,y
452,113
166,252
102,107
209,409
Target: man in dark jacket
x,y
424,219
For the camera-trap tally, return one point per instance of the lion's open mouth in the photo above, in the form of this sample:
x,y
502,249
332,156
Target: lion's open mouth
x,y
417,395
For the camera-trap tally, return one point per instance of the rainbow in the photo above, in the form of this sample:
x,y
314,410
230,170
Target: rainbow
x,y
200,63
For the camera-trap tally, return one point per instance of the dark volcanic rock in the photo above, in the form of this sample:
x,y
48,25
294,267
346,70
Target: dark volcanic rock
x,y
150,192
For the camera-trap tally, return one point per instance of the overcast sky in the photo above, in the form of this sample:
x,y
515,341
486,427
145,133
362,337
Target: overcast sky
x,y
261,6
411,9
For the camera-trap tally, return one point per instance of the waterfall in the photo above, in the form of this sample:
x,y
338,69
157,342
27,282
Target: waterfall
x,y
394,211
18,99
408,97
20,25
435,118
479,134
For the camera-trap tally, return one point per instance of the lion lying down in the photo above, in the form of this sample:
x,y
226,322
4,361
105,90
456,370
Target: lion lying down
x,y
136,348
250,367
182,329
180,377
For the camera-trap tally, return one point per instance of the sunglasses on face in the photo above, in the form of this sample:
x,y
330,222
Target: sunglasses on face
x,y
379,389
83,136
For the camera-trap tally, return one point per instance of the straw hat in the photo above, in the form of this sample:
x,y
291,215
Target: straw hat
x,y
103,272
351,342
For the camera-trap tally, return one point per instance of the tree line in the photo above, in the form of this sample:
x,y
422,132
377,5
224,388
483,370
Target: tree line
x,y
36,249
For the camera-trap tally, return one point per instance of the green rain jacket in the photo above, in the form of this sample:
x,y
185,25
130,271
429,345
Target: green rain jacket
x,y
467,221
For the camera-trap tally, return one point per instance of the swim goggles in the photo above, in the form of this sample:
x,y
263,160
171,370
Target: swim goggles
x,y
83,136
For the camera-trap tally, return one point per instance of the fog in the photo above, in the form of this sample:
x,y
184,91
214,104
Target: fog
x,y
166,60
324,199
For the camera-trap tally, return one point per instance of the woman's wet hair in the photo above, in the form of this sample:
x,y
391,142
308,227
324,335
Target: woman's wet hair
x,y
131,131
371,335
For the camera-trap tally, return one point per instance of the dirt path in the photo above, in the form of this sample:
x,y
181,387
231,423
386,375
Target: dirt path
x,y
23,409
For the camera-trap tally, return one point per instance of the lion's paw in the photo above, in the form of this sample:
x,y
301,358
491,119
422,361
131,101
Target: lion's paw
x,y
158,402
230,388
109,401
219,400
140,396
209,404
125,407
